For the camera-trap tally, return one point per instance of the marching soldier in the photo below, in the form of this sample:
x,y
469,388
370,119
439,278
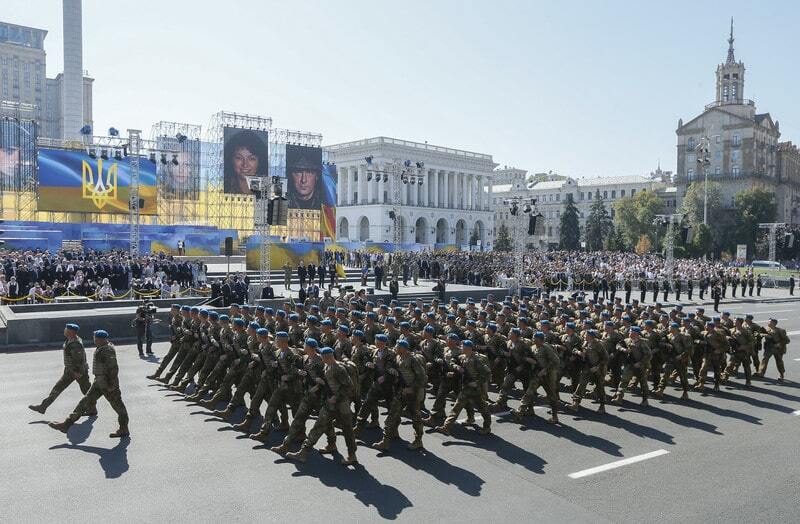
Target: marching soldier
x,y
176,333
287,390
409,392
716,345
637,364
106,384
742,342
592,359
543,364
677,352
474,373
75,370
775,342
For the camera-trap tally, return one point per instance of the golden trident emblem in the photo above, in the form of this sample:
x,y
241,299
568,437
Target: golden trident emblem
x,y
99,189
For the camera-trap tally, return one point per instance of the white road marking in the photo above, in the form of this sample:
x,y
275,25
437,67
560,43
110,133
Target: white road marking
x,y
796,412
767,318
797,360
793,332
617,464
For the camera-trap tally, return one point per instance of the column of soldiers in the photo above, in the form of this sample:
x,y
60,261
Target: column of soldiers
x,y
346,362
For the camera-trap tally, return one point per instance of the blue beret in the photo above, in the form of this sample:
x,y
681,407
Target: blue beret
x,y
516,331
314,307
442,306
262,332
588,322
390,320
260,309
342,311
726,313
358,333
254,325
417,311
235,305
691,315
710,324
451,317
674,325
73,327
748,316
214,315
246,307
430,315
491,326
467,343
405,325
326,351
592,333
176,306
269,311
330,309
716,319
429,329
403,343
381,338
545,322
371,303
372,315
626,318
312,342
571,325
636,329
326,322
186,309
701,310
224,318
482,313
538,334
605,314
649,322
452,336
294,316
344,329
280,313
687,319
522,319
384,306
101,333
740,319
311,318
238,322
281,334
203,312
609,323
194,310
471,323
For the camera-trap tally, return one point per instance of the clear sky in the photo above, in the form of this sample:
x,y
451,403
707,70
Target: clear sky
x,y
583,88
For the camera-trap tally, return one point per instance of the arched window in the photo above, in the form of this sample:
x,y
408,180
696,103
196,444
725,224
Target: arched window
x,y
690,143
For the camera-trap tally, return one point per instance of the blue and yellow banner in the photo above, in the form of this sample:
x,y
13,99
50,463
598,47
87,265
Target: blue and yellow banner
x,y
72,181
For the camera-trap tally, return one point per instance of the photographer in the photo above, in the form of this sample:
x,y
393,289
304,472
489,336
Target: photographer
x,y
145,315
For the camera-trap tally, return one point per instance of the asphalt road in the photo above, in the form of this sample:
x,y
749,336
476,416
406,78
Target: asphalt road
x,y
718,457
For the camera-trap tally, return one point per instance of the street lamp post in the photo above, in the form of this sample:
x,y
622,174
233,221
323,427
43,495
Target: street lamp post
x,y
520,207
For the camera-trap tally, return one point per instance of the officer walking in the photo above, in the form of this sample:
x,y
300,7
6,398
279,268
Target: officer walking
x,y
75,369
106,384
142,322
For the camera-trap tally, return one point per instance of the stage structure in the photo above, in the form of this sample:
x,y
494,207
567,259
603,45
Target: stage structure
x,y
182,198
18,134
226,210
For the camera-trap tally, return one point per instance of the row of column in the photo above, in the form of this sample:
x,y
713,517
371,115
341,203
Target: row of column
x,y
442,189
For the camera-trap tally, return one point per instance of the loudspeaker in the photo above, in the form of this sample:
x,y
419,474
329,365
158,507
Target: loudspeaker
x,y
228,246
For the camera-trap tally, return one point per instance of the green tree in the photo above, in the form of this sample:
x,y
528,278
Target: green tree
x,y
570,235
703,242
635,216
473,237
753,206
503,240
598,224
692,204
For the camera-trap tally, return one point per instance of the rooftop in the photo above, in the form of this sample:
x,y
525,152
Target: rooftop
x,y
22,35
407,143
614,180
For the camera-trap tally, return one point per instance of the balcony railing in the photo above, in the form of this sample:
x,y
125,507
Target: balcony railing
x,y
743,102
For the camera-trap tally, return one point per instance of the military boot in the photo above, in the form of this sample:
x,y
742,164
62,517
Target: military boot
x,y
444,430
262,435
576,404
417,444
644,403
685,395
38,408
601,409
485,430
208,404
618,398
184,384
279,449
225,413
350,460
244,425
152,377
500,405
120,433
518,414
431,419
300,456
780,378
61,426
90,412
384,444
553,419
330,449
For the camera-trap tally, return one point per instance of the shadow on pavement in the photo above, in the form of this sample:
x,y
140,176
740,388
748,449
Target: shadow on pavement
x,y
387,500
572,434
680,420
499,446
634,428
114,461
443,471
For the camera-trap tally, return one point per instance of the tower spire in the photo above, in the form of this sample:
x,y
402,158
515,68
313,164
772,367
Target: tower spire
x,y
731,59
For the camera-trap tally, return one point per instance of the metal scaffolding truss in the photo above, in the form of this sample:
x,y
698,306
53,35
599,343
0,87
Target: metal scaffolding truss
x,y
180,195
228,211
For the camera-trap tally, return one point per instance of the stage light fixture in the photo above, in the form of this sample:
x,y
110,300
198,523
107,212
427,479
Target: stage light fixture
x,y
420,180
153,158
181,138
92,152
368,159
385,177
420,165
164,158
175,160
86,130
113,131
369,176
407,163
526,208
117,154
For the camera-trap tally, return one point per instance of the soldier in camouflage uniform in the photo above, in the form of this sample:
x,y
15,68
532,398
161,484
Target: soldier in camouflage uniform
x,y
592,360
742,342
716,346
677,352
335,408
473,370
543,366
106,384
775,342
637,364
175,333
287,390
75,370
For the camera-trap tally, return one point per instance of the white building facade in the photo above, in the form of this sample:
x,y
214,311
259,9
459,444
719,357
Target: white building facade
x,y
550,196
452,201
